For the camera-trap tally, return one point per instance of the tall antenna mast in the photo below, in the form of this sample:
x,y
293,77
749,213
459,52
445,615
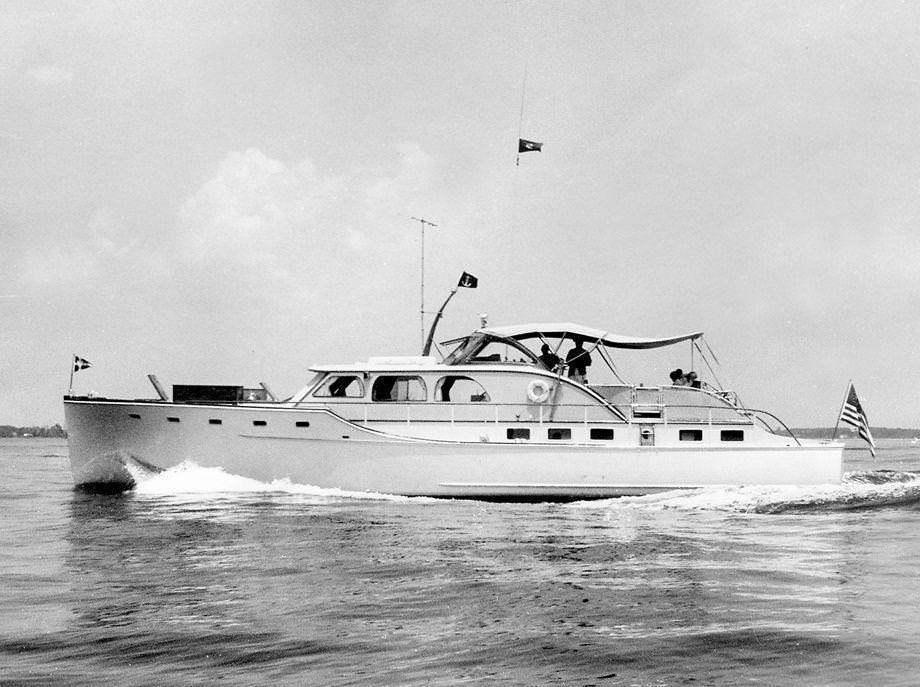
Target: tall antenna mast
x,y
517,162
423,223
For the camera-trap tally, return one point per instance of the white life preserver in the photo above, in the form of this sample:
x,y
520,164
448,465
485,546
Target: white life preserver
x,y
538,390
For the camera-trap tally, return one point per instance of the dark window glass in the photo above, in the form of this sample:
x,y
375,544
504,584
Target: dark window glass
x,y
399,388
259,423
302,423
341,386
691,435
559,433
214,421
460,389
136,416
732,435
601,433
518,433
172,419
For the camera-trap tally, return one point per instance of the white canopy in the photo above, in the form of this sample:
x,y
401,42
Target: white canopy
x,y
571,330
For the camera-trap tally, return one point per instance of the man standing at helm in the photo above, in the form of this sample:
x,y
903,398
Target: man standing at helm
x,y
578,360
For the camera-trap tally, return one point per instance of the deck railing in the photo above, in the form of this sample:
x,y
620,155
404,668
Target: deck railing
x,y
561,413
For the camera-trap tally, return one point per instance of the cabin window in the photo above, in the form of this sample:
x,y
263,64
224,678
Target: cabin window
x,y
602,434
215,421
559,433
460,389
518,433
301,423
341,386
399,388
136,416
732,435
259,423
691,435
172,419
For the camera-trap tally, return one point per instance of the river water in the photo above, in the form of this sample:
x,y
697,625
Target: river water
x,y
199,577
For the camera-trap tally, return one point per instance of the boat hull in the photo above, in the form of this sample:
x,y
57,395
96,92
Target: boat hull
x,y
317,447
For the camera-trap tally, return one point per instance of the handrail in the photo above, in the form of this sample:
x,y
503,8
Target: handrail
x,y
755,411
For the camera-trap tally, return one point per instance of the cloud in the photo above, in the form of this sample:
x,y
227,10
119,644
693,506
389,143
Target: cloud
x,y
51,75
255,211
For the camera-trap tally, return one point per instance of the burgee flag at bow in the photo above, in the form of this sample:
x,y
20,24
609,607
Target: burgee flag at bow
x,y
468,280
853,415
78,364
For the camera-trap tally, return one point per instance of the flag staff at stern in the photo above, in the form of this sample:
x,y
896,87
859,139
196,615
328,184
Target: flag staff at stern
x,y
467,281
78,364
852,414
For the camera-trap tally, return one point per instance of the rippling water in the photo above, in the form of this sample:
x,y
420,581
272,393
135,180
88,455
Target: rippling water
x,y
199,577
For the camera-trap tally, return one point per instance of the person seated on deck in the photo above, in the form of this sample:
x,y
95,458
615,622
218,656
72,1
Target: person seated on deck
x,y
578,360
691,380
549,359
678,378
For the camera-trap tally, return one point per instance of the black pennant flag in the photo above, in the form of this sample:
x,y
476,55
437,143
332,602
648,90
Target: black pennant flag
x,y
468,280
80,364
525,146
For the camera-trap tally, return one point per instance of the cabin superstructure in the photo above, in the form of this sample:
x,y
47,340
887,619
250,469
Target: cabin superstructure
x,y
493,387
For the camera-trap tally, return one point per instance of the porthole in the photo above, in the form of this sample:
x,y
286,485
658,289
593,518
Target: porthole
x,y
691,435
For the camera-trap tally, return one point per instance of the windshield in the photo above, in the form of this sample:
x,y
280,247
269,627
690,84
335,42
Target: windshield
x,y
484,348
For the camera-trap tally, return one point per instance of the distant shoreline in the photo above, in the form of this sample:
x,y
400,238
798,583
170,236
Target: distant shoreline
x,y
11,431
849,433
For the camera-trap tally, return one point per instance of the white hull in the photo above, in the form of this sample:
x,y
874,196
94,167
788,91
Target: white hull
x,y
334,453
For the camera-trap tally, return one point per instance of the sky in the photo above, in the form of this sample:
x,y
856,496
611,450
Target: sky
x,y
221,193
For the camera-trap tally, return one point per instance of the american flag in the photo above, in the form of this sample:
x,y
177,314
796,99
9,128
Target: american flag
x,y
853,415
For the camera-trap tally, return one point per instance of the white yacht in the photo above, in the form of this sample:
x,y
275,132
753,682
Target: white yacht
x,y
489,420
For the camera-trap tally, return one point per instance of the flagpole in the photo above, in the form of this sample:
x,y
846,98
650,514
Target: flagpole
x,y
842,405
517,162
437,318
73,363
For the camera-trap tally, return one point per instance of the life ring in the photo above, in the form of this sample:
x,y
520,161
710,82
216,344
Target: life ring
x,y
538,390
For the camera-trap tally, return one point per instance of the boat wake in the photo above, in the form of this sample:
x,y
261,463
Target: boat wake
x,y
190,479
857,490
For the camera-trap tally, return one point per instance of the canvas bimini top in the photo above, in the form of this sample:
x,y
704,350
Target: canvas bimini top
x,y
571,330
471,346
